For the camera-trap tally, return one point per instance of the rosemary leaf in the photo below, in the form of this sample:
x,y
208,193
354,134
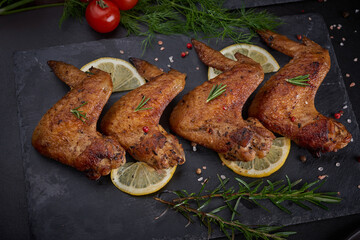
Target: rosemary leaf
x,y
299,80
141,104
79,114
216,91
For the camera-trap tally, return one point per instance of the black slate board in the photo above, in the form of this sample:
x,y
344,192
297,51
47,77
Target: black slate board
x,y
64,204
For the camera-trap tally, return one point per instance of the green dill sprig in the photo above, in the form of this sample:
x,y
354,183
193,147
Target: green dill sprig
x,y
216,91
141,104
73,8
193,18
301,80
194,204
79,114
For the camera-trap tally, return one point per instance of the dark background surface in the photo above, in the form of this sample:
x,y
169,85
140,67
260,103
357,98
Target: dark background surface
x,y
39,28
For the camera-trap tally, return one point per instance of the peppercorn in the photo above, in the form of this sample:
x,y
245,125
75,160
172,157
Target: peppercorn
x,y
145,129
189,46
337,115
345,14
303,158
299,37
183,54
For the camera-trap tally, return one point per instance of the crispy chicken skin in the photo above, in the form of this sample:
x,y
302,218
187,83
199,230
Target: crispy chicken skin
x,y
288,109
139,132
62,136
218,124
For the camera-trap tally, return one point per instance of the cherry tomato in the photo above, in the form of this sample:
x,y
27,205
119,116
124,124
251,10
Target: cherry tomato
x,y
125,4
102,15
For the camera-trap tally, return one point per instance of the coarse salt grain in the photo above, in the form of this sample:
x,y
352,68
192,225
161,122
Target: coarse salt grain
x,y
223,177
331,27
345,107
200,179
351,140
194,148
352,84
349,120
171,59
343,39
310,19
331,37
337,164
358,186
169,66
162,48
160,42
357,10
156,59
204,167
320,169
161,69
122,51
197,68
341,44
355,59
306,102
347,75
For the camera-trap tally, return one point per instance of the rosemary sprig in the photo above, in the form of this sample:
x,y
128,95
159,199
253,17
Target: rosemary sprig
x,y
276,192
216,91
141,104
79,114
299,80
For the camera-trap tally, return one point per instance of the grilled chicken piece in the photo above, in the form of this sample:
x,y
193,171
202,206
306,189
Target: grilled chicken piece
x,y
139,132
218,124
288,109
74,141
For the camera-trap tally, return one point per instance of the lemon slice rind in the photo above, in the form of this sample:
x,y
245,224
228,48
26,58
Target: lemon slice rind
x,y
138,178
263,167
124,75
258,54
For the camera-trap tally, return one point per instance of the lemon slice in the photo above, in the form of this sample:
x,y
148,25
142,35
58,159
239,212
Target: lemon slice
x,y
262,167
138,178
258,54
124,75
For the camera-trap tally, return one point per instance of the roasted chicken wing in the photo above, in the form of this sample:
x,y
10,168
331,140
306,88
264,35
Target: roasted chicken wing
x,y
67,132
134,119
218,124
289,109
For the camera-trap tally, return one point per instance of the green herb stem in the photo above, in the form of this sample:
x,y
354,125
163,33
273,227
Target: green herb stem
x,y
214,218
301,80
6,10
216,91
79,114
276,192
144,101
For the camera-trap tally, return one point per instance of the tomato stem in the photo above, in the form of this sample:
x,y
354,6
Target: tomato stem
x,y
102,4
